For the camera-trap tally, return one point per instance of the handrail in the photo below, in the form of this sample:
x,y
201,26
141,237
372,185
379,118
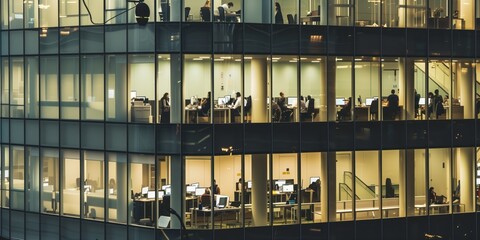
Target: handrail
x,y
362,191
431,80
345,188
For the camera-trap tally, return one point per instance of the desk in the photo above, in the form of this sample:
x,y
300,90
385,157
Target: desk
x,y
188,112
310,20
361,113
222,114
208,211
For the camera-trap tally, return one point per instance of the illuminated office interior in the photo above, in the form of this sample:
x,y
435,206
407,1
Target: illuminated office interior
x,y
235,123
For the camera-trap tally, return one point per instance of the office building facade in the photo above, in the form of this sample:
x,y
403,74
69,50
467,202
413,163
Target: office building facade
x,y
303,119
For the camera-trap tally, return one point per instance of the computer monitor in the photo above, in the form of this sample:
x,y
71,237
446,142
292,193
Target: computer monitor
x,y
144,190
196,184
280,182
199,191
160,194
314,179
421,101
151,195
287,188
133,94
221,201
368,101
193,100
340,101
292,101
168,191
249,185
227,98
165,187
191,189
221,101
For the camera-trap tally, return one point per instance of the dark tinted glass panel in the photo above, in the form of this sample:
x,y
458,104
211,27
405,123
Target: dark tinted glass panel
x,y
290,232
394,229
368,230
49,227
176,234
258,138
367,41
197,139
478,39
168,139
441,226
342,230
416,42
367,135
417,227
314,231
197,37
258,233
477,132
463,136
168,37
285,137
314,137
227,38
234,234
257,38
92,39
393,41
340,136
393,134
227,136
285,39
464,226
313,39
340,40
416,134
439,134
49,43
69,42
463,43
439,42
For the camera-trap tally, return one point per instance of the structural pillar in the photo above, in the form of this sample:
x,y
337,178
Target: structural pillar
x,y
177,196
259,190
176,103
465,170
331,74
407,183
122,188
407,87
328,186
259,89
465,89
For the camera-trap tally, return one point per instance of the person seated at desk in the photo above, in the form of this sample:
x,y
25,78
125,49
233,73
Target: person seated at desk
x,y
237,107
205,106
392,106
432,196
286,113
345,112
276,111
206,199
229,15
315,186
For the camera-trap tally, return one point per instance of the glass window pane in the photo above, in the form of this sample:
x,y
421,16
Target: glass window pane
x,y
117,188
285,84
227,91
142,178
71,183
141,76
462,175
440,185
313,89
197,84
50,185
345,190
367,185
49,87
69,87
116,88
94,188
31,87
33,179
17,192
92,88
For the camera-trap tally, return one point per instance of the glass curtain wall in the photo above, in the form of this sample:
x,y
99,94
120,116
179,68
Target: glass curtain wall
x,y
367,88
343,76
313,78
285,87
367,185
197,84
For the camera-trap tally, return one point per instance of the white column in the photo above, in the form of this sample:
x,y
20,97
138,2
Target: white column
x,y
465,89
328,181
465,170
331,74
259,90
407,183
259,190
407,87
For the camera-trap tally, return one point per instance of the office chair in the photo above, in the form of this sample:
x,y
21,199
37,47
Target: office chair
x,y
374,109
187,13
205,13
221,14
311,108
290,19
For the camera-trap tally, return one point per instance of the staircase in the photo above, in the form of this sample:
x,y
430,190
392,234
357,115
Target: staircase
x,y
363,191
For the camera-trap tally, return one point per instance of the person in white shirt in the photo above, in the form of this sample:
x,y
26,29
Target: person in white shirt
x,y
226,7
237,107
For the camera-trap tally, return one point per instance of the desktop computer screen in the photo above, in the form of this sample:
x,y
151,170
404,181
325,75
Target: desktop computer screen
x,y
292,101
221,101
227,98
165,187
160,194
193,100
287,188
280,182
221,201
144,190
191,189
151,194
368,101
422,101
340,101
249,184
199,191
314,179
168,191
196,184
